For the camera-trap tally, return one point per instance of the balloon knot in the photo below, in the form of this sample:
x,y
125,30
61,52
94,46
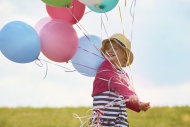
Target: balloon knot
x,y
101,7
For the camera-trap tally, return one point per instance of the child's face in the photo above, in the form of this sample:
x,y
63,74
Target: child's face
x,y
110,54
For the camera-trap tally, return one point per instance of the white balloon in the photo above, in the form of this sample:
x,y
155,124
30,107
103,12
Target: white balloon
x,y
91,2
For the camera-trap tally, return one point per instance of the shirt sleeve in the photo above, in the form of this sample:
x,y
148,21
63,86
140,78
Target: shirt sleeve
x,y
133,106
121,87
126,92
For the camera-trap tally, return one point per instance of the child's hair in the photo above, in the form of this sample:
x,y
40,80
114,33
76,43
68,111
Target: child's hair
x,y
122,41
123,61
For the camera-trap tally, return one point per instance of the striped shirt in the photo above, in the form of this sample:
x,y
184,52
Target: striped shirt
x,y
109,110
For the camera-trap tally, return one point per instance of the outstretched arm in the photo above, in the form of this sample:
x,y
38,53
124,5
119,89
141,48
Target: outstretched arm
x,y
113,81
125,90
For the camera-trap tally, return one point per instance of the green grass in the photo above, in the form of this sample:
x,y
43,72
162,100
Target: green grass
x,y
161,117
63,117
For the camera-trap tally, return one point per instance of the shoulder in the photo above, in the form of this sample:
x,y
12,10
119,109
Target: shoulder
x,y
105,65
106,69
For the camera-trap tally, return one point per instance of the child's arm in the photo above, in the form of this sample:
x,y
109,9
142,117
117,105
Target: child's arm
x,y
127,93
137,106
112,81
133,103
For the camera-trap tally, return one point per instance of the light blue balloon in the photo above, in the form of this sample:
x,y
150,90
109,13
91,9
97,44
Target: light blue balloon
x,y
19,42
104,6
87,59
0,41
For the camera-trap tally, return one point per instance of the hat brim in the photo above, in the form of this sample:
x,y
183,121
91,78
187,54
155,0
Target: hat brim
x,y
128,52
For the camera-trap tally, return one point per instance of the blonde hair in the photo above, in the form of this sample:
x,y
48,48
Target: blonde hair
x,y
122,61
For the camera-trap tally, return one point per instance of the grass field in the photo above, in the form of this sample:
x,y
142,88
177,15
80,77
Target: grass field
x,y
63,117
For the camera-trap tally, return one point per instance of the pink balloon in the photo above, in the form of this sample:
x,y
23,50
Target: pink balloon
x,y
59,40
76,10
39,25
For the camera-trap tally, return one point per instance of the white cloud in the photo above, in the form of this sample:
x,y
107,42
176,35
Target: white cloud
x,y
23,85
75,90
69,89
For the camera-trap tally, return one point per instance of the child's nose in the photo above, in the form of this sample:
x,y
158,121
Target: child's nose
x,y
110,50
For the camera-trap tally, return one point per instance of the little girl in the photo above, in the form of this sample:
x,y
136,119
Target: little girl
x,y
112,91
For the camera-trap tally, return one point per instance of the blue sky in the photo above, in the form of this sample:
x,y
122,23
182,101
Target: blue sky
x,y
166,37
161,46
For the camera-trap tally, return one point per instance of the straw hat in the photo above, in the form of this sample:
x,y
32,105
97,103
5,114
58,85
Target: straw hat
x,y
124,43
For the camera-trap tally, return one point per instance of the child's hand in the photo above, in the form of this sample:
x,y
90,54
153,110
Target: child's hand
x,y
144,106
134,99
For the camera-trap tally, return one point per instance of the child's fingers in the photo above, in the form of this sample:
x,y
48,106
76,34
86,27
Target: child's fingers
x,y
145,106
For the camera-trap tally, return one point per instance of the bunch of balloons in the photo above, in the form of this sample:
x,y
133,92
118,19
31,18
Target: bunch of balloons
x,y
99,6
56,37
59,40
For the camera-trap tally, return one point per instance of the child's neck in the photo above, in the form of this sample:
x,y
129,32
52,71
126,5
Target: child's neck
x,y
118,67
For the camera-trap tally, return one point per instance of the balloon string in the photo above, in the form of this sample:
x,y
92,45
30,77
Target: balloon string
x,y
83,65
128,55
67,69
106,16
121,79
77,22
80,118
101,26
86,32
80,27
112,48
38,60
46,62
41,65
83,29
125,2
131,79
132,14
83,32
121,19
87,12
133,5
90,52
94,119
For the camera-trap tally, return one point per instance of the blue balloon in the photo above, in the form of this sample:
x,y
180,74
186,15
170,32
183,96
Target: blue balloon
x,y
104,6
0,41
87,59
19,42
